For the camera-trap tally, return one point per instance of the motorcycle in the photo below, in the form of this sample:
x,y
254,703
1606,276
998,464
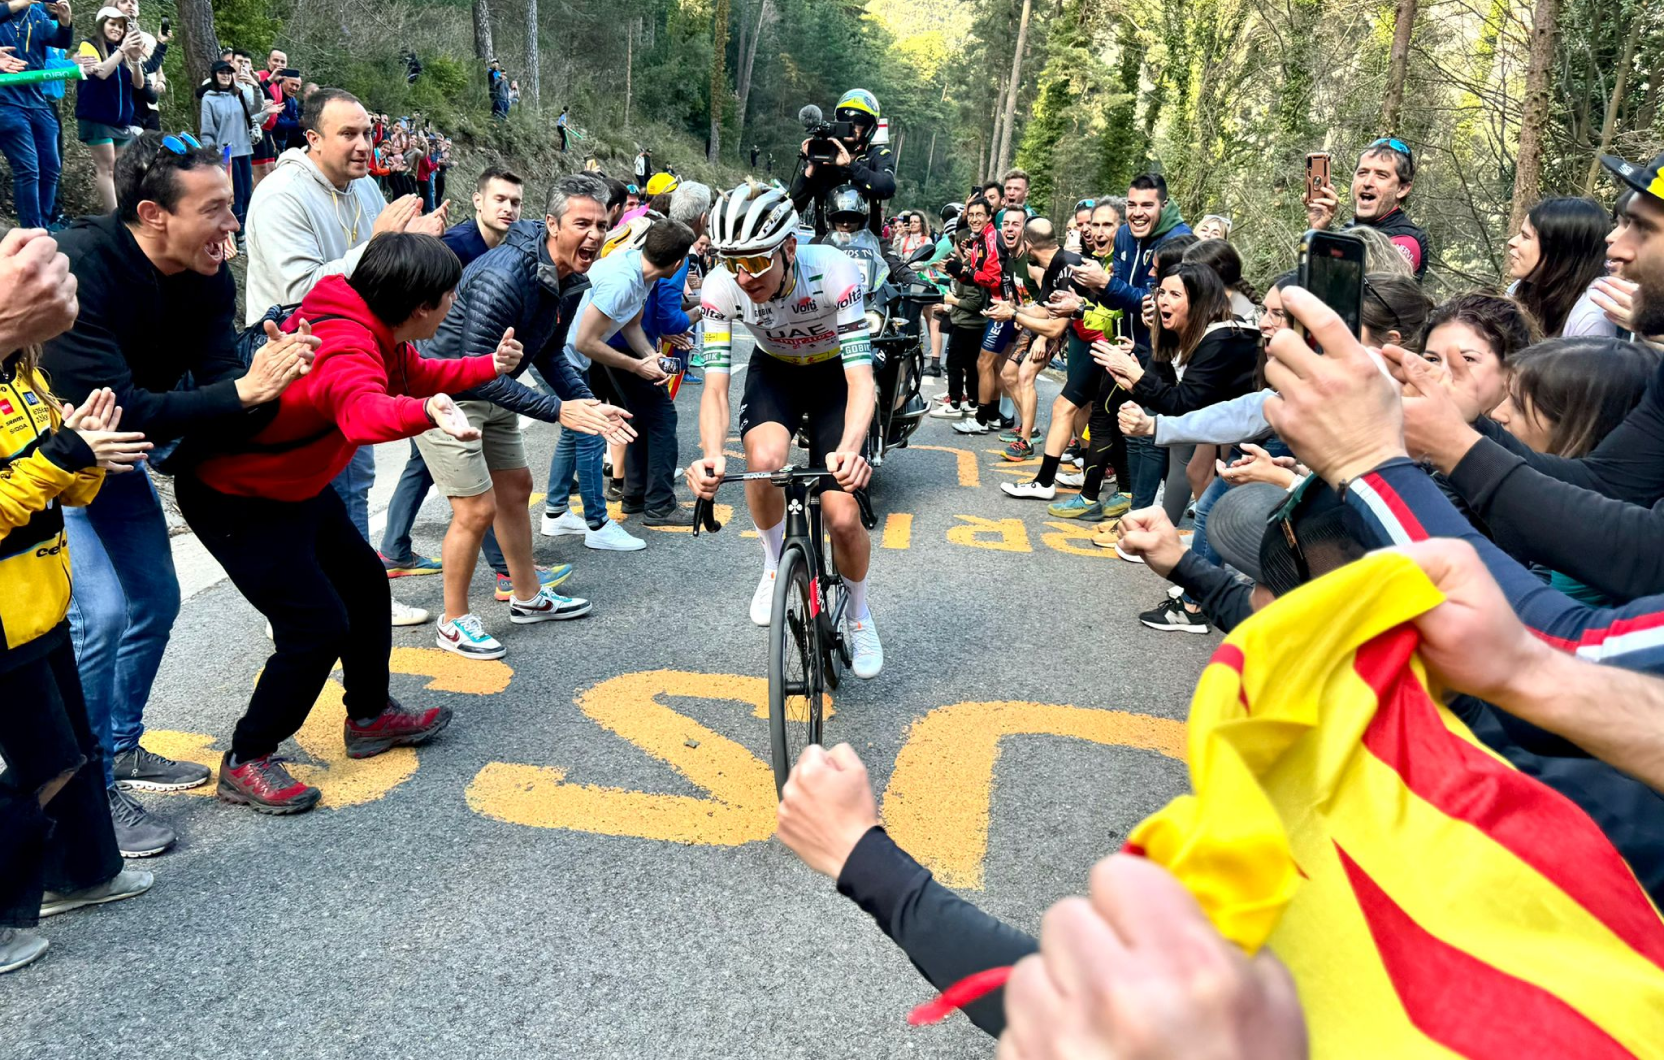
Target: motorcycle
x,y
894,306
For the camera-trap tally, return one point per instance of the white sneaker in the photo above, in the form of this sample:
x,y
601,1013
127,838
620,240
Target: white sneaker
x,y
612,538
947,410
866,655
405,615
1030,490
269,633
1128,556
971,426
1071,479
466,637
546,606
567,523
762,601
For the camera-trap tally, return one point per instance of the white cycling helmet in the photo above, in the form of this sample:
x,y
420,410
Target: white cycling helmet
x,y
752,219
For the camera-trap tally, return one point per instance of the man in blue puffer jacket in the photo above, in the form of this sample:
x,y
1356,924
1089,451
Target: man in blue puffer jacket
x,y
530,285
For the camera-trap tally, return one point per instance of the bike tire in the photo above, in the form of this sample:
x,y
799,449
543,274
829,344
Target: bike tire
x,y
795,689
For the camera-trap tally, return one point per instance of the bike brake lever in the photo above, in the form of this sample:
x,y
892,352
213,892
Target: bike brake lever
x,y
704,516
868,519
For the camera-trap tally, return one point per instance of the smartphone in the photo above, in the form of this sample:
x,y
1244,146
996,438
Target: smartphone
x,y
1317,173
165,25
1332,267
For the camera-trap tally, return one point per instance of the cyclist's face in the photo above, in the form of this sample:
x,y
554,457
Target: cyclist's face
x,y
765,287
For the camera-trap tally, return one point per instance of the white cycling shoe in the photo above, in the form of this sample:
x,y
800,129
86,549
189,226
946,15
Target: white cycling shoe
x,y
866,654
762,601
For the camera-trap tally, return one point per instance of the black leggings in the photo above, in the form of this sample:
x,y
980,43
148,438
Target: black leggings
x,y
1108,446
69,844
303,565
964,344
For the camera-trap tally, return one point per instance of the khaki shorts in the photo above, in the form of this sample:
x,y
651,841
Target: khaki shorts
x,y
463,469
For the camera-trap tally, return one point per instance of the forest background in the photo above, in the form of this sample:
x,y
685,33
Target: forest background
x,y
1504,101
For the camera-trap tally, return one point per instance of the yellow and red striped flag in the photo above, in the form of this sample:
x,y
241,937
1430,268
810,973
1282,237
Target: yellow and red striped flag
x,y
1429,898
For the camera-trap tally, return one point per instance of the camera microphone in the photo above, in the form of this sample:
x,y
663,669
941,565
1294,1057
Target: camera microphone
x,y
810,116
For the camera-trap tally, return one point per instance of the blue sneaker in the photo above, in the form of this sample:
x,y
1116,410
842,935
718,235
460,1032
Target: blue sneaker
x,y
409,567
547,577
1077,507
1116,504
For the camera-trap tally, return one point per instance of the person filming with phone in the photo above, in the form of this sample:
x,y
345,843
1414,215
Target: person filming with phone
x,y
1381,184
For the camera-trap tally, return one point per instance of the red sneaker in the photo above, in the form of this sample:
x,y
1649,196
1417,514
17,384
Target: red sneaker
x,y
394,727
265,786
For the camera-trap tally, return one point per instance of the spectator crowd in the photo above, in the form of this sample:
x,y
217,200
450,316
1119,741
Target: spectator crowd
x,y
1508,439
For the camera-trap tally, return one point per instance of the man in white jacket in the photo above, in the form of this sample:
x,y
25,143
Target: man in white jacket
x,y
311,218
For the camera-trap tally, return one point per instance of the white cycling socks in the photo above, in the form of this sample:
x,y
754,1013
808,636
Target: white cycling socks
x,y
773,538
858,610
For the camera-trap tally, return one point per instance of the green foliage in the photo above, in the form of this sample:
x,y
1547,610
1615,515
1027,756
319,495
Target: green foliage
x,y
247,24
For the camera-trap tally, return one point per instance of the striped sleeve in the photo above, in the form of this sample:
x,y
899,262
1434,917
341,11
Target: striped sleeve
x,y
854,337
719,338
1398,503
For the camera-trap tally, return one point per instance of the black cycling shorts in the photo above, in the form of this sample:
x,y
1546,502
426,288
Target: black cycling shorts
x,y
777,392
1083,373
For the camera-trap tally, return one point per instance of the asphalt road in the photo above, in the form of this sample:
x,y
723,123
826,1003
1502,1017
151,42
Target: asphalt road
x,y
580,866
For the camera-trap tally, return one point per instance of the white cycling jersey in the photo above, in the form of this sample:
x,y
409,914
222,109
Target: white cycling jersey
x,y
822,315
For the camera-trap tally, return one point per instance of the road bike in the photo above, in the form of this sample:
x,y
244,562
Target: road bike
x,y
808,648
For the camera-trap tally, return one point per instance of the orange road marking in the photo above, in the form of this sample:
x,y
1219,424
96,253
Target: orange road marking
x,y
898,530
1001,535
968,475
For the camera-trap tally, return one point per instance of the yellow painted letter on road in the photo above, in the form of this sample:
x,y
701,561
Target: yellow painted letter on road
x,y
345,781
936,806
1075,539
965,463
898,530
1001,535
739,806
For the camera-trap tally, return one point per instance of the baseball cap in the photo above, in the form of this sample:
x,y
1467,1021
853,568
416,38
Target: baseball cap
x,y
660,183
1646,178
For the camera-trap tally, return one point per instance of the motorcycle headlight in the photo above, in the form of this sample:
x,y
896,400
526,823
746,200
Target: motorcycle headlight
x,y
875,322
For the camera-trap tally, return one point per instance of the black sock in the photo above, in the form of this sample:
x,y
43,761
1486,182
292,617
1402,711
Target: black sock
x,y
988,412
1048,469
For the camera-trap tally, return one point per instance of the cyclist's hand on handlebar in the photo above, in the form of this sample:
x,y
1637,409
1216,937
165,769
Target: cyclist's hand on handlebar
x,y
706,474
826,807
850,469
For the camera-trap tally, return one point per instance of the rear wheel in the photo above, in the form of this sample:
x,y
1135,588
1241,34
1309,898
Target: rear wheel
x,y
795,693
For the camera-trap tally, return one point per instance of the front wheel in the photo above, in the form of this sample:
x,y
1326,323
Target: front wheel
x,y
795,693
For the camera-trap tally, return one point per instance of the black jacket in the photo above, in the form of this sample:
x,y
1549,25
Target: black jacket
x,y
515,285
139,332
1397,227
873,171
1221,367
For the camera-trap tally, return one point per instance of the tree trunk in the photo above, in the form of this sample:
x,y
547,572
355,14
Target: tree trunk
x,y
534,67
748,51
1528,164
1398,64
901,138
629,66
719,78
1609,122
929,160
483,47
197,38
1011,98
993,155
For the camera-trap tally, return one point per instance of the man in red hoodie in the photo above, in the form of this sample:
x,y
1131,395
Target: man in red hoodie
x,y
270,495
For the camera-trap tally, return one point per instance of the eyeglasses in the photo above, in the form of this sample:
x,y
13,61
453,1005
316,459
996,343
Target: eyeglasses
x,y
752,265
1398,324
1396,144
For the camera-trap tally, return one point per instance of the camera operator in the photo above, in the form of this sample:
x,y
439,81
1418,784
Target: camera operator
x,y
830,161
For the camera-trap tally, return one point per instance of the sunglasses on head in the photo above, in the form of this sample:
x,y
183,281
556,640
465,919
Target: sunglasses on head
x,y
750,264
174,143
1084,204
1396,144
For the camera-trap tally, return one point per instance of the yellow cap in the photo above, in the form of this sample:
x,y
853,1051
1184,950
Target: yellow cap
x,y
661,183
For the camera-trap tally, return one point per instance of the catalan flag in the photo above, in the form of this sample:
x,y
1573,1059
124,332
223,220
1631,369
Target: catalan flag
x,y
1429,898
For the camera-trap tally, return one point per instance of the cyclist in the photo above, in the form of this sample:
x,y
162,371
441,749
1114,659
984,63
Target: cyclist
x,y
805,308
868,166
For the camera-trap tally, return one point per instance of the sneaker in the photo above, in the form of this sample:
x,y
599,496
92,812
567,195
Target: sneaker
x,y
405,615
465,636
1019,450
762,601
19,947
1080,463
1170,614
948,410
127,883
269,633
564,524
693,377
696,359
612,538
972,426
1077,507
934,368
409,568
866,655
547,606
1117,504
142,770
138,833
547,577
1011,436
1072,453
1124,554
675,517
1030,490
1072,479
263,785
615,489
397,726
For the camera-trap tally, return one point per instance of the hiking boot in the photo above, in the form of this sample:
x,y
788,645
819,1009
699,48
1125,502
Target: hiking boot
x,y
265,786
138,834
142,770
397,726
125,884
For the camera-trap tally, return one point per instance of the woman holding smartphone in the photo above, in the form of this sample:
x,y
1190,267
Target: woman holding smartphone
x,y
111,59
